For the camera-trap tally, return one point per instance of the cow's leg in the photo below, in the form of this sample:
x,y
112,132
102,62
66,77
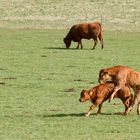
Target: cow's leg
x,y
95,43
101,40
78,46
81,44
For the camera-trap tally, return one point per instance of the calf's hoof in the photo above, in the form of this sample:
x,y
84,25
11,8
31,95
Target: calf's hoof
x,y
110,99
87,115
138,113
125,113
98,112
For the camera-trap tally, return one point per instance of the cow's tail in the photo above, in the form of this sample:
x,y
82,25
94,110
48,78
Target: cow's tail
x,y
101,22
101,32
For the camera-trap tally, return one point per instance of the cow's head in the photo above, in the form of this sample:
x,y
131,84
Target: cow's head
x,y
67,42
104,76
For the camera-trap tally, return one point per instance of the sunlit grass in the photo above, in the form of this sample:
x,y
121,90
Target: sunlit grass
x,y
41,83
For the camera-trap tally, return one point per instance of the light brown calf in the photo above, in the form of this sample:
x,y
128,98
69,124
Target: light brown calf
x,y
98,94
121,76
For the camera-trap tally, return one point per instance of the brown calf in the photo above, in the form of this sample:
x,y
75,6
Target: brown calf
x,y
84,31
98,94
121,76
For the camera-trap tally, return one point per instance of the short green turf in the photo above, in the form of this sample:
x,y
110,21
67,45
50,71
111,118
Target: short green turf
x,y
41,81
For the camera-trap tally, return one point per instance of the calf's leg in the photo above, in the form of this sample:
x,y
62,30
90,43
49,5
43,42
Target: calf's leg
x,y
99,109
90,110
138,100
134,101
138,109
117,88
93,106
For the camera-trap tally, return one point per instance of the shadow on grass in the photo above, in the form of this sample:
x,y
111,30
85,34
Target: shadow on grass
x,y
58,48
65,115
81,115
60,115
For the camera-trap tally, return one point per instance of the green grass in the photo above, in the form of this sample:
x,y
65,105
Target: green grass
x,y
38,72
41,81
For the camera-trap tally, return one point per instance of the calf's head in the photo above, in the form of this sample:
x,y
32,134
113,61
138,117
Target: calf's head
x,y
85,95
104,76
67,42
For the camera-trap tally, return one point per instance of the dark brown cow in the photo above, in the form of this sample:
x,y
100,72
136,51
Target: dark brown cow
x,y
98,94
84,31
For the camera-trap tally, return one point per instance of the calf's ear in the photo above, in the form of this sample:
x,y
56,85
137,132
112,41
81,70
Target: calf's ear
x,y
103,71
106,72
83,90
132,96
90,93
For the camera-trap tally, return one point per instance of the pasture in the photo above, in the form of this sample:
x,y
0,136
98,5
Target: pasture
x,y
41,83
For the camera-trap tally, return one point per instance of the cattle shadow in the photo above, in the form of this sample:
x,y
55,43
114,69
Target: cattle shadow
x,y
61,115
64,115
58,48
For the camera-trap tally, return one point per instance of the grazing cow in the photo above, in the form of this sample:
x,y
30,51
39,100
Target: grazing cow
x,y
121,76
98,94
84,31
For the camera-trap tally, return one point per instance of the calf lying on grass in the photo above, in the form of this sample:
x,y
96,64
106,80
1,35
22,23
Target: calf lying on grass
x,y
98,94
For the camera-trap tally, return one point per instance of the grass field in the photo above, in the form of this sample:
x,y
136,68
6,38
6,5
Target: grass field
x,y
41,83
